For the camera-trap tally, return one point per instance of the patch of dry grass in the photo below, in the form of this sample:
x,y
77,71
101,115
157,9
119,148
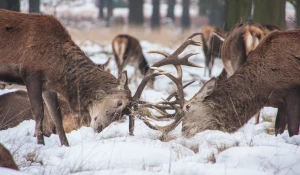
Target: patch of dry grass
x,y
169,37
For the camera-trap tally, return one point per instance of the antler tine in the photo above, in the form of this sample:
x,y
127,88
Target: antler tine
x,y
168,128
160,52
188,42
186,57
174,93
143,84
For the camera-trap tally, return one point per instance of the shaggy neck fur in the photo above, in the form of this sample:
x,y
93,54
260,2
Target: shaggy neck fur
x,y
82,79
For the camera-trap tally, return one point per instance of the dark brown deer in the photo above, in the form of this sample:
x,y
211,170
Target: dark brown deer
x,y
128,51
38,52
15,108
211,45
6,159
270,73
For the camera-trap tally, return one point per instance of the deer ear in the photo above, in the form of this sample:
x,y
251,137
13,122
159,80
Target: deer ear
x,y
123,81
207,89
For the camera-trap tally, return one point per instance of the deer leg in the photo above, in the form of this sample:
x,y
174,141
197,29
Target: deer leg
x,y
293,111
52,104
34,89
281,119
131,124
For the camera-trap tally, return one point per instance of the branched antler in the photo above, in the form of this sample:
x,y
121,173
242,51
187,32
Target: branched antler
x,y
164,105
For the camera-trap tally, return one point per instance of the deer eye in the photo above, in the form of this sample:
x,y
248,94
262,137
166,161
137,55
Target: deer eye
x,y
119,103
188,107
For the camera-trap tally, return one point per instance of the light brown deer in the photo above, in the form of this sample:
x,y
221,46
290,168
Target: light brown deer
x,y
128,51
6,159
270,73
211,45
38,52
15,108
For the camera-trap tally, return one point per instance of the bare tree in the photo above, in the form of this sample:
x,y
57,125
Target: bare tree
x,y
155,18
171,5
34,6
136,12
185,18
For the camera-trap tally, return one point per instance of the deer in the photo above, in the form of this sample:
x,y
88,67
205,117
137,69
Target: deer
x,y
211,45
270,74
47,61
6,159
15,108
38,52
128,51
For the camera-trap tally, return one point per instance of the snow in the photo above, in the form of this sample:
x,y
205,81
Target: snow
x,y
250,150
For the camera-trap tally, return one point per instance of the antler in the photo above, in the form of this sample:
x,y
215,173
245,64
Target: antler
x,y
178,103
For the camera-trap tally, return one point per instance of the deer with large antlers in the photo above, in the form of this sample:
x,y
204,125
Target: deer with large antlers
x,y
48,62
37,51
271,72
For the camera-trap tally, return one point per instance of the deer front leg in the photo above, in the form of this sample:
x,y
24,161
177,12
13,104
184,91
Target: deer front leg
x,y
293,111
52,104
34,89
281,119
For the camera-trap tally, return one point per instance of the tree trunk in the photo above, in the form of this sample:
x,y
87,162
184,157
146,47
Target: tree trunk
x,y
171,5
236,9
275,14
101,8
155,18
3,4
297,9
110,6
34,6
136,12
185,18
13,5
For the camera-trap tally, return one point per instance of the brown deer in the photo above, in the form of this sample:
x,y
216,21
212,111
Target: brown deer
x,y
128,51
48,62
270,73
211,45
15,108
6,159
38,52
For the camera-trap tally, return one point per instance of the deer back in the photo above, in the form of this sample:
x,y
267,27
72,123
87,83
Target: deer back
x,y
128,51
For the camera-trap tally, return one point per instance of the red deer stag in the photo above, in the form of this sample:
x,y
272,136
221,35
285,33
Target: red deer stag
x,y
270,73
128,51
211,45
239,43
6,159
37,51
15,108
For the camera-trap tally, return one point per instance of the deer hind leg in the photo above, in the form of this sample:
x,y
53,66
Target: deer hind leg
x,y
52,104
293,111
34,89
281,119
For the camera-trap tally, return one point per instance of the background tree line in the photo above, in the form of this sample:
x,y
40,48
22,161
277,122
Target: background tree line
x,y
222,13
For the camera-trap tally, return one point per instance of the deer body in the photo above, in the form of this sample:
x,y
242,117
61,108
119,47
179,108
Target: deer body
x,y
127,50
6,159
211,45
271,71
15,108
38,52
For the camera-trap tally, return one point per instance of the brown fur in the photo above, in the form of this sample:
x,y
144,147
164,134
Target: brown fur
x,y
127,50
271,72
15,108
6,159
211,45
37,51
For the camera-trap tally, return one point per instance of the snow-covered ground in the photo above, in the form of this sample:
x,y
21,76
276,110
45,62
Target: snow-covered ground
x,y
250,150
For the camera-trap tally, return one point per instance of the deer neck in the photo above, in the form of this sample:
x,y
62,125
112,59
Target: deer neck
x,y
236,100
82,80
